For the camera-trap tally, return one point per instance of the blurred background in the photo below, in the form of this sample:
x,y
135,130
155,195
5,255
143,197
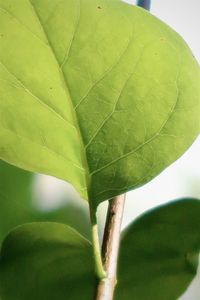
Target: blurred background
x,y
27,197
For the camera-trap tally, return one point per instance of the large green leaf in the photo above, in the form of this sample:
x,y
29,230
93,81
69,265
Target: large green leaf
x,y
159,253
99,93
16,204
46,261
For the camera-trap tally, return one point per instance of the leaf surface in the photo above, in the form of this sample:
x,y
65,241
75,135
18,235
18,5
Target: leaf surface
x,y
98,93
159,253
46,261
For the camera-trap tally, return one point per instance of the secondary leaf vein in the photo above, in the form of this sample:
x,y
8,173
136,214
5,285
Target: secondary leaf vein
x,y
143,144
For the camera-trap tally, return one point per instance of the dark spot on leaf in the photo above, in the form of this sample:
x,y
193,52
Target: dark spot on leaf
x,y
99,7
51,88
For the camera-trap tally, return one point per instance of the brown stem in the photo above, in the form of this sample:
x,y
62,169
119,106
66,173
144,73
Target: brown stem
x,y
110,248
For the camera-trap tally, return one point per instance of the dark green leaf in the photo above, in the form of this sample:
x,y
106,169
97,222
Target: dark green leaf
x,y
46,261
159,253
158,258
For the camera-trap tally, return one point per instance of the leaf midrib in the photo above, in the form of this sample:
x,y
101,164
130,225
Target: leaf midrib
x,y
83,152
73,110
90,174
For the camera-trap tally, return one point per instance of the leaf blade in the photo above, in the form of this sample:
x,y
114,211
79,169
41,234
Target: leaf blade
x,y
159,252
100,55
52,260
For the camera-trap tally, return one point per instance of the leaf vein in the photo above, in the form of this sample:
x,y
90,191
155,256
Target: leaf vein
x,y
43,146
143,144
83,155
67,53
22,24
118,98
36,97
105,73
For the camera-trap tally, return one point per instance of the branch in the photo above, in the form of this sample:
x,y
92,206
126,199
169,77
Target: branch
x,y
110,248
146,4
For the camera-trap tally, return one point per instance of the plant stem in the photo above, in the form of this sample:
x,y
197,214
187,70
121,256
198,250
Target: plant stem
x,y
106,271
96,246
110,248
146,4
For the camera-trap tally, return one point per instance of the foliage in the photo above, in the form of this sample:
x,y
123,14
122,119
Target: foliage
x,y
105,96
159,252
159,255
61,61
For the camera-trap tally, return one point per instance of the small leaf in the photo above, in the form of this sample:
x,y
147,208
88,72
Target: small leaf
x,y
99,93
159,253
46,261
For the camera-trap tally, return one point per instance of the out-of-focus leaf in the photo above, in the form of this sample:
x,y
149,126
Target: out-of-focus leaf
x,y
16,204
46,261
99,93
158,258
159,253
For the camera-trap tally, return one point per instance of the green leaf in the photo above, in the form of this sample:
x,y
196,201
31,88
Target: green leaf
x,y
17,204
158,258
159,253
99,93
46,261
